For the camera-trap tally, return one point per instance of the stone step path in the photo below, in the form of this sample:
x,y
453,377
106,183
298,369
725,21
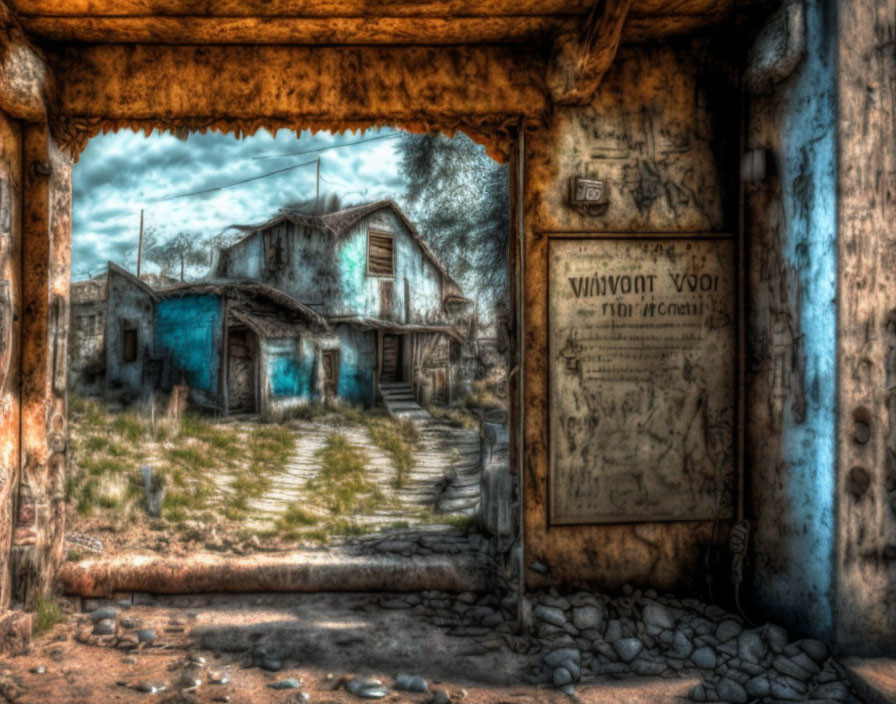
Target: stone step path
x,y
443,480
398,398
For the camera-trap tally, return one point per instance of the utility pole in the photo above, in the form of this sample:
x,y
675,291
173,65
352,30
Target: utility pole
x,y
140,245
317,196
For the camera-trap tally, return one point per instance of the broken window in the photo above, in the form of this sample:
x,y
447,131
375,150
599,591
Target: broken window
x,y
128,342
380,254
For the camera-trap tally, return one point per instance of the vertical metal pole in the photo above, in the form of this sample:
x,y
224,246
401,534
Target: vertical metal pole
x,y
140,245
317,195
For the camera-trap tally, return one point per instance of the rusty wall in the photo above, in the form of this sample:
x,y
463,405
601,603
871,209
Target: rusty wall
x,y
38,537
866,348
10,314
662,132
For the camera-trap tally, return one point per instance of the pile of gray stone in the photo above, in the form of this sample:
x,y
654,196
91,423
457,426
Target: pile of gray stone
x,y
589,637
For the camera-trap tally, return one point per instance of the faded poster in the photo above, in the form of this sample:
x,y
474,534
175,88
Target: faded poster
x,y
642,371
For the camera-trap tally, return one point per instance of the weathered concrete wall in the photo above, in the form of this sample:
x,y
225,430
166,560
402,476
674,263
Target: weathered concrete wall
x,y
129,303
662,132
10,317
866,346
790,220
87,338
190,329
46,231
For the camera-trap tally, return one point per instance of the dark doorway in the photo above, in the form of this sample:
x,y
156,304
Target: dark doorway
x,y
241,370
330,362
391,358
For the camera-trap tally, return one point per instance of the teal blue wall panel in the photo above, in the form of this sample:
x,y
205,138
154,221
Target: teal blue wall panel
x,y
189,329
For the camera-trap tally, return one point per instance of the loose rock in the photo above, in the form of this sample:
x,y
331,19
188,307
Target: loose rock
x,y
587,617
776,637
627,648
730,691
704,658
658,615
107,612
104,627
550,614
410,683
367,688
562,677
151,687
288,683
727,630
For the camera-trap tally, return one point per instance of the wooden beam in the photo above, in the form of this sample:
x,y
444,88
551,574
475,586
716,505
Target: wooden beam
x,y
580,60
10,323
346,8
243,88
25,83
290,8
290,30
46,226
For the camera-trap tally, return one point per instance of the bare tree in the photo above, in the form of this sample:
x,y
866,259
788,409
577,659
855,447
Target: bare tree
x,y
183,250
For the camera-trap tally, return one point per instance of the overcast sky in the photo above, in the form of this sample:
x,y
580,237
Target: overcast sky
x,y
121,173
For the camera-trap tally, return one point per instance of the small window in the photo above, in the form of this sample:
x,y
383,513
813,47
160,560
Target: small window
x,y
128,343
380,254
276,254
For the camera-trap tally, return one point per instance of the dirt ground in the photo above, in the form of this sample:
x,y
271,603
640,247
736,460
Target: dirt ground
x,y
322,641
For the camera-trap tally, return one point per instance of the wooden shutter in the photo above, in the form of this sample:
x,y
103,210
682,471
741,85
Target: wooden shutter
x,y
380,254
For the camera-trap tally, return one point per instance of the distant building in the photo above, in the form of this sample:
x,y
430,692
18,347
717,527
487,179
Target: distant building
x,y
302,308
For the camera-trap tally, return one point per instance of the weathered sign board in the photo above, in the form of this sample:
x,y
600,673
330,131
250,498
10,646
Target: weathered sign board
x,y
642,379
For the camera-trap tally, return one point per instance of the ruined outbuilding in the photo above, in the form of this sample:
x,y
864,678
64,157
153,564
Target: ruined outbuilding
x,y
391,305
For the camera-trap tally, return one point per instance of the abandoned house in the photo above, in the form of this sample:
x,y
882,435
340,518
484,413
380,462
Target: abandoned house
x,y
302,308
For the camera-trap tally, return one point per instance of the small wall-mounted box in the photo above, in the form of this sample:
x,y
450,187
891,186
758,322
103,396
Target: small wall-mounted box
x,y
588,195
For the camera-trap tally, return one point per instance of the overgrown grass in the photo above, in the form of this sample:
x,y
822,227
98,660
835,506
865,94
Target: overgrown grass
x,y
454,417
397,438
342,482
46,614
210,470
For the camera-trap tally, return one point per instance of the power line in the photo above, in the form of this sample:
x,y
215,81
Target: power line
x,y
235,183
323,149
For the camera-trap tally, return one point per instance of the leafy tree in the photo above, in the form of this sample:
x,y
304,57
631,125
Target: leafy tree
x,y
461,202
183,250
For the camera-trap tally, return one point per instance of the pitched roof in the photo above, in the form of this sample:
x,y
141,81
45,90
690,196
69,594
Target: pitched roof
x,y
244,289
340,223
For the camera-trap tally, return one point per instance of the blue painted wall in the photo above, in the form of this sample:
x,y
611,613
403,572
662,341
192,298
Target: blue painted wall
x,y
794,491
189,328
290,368
357,362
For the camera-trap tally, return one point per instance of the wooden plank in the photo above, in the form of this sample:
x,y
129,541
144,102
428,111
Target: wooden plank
x,y
291,30
10,317
244,88
38,539
344,8
289,8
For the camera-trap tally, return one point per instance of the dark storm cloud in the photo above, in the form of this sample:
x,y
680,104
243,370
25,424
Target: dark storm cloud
x,y
119,174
